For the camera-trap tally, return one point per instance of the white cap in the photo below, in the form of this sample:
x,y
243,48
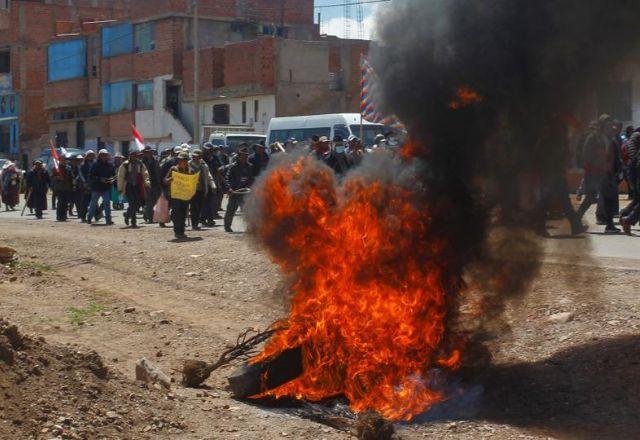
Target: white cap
x,y
88,152
177,150
185,147
103,151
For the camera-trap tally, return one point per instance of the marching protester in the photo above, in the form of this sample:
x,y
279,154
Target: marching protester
x,y
78,190
601,165
204,187
133,179
103,174
37,186
320,148
153,191
62,184
165,167
337,159
118,202
259,159
84,182
213,199
10,184
355,150
179,208
238,180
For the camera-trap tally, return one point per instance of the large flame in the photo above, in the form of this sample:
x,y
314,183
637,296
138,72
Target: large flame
x,y
372,294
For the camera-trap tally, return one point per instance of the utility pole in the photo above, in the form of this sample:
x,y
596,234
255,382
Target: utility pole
x,y
196,75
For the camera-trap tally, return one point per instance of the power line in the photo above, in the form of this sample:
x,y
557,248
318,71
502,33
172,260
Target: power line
x,y
339,5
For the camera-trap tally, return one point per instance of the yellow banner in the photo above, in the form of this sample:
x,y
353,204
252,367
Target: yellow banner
x,y
183,186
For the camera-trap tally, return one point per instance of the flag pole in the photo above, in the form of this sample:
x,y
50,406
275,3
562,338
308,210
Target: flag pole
x,y
361,93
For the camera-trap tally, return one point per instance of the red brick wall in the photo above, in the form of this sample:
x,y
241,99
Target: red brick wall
x,y
211,70
119,125
69,93
250,62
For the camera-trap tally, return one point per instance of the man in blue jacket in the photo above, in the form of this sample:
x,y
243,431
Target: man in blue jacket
x,y
103,175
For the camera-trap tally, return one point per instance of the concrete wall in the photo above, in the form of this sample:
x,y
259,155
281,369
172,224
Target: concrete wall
x,y
159,123
93,129
266,111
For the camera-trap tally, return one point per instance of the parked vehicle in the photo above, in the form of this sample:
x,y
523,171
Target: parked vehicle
x,y
230,141
303,128
47,160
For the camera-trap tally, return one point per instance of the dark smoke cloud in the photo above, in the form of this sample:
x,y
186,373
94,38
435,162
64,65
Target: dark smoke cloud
x,y
532,63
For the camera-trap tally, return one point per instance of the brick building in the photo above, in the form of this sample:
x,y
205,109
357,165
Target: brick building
x,y
26,27
81,72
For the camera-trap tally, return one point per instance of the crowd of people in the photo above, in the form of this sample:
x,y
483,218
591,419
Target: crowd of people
x,y
94,184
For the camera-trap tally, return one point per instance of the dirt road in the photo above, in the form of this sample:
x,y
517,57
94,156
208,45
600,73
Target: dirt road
x,y
555,376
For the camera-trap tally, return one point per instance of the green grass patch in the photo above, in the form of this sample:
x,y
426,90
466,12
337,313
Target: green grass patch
x,y
78,315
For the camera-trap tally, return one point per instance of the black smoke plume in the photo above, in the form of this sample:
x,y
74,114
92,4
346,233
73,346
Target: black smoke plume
x,y
529,64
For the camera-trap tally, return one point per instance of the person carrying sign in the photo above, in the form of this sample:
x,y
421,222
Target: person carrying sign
x,y
182,183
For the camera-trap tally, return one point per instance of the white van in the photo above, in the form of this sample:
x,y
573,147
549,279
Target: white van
x,y
230,141
303,128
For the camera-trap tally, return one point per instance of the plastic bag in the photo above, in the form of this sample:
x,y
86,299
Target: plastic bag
x,y
161,210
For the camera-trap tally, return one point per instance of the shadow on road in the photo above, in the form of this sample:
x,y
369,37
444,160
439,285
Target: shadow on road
x,y
586,392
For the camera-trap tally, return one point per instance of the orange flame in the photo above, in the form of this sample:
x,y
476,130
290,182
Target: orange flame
x,y
372,293
465,97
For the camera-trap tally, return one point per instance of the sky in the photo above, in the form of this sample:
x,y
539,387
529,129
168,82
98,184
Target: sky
x,y
333,18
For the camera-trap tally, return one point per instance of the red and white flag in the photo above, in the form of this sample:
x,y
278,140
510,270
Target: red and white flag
x,y
138,138
54,155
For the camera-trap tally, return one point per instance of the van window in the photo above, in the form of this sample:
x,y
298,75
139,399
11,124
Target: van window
x,y
298,134
342,131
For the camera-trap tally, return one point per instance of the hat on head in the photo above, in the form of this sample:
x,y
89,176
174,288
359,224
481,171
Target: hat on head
x,y
37,162
88,152
103,151
118,155
78,157
254,146
208,146
177,150
147,148
353,138
185,146
183,156
323,139
196,152
243,150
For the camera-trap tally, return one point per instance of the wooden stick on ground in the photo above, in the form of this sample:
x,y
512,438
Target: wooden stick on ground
x,y
195,372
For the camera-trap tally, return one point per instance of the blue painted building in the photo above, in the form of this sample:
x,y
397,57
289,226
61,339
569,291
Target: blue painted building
x,y
9,125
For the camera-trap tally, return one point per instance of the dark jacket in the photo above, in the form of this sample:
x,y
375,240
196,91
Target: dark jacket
x,y
85,175
101,175
62,178
239,176
153,167
259,162
338,162
38,184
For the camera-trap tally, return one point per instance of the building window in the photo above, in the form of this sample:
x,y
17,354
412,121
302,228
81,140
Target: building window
x,y
4,4
5,62
67,60
117,97
221,114
615,99
144,96
145,37
117,40
244,112
256,110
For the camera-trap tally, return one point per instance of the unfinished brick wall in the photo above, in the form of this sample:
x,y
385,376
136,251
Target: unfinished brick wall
x,y
211,71
250,62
